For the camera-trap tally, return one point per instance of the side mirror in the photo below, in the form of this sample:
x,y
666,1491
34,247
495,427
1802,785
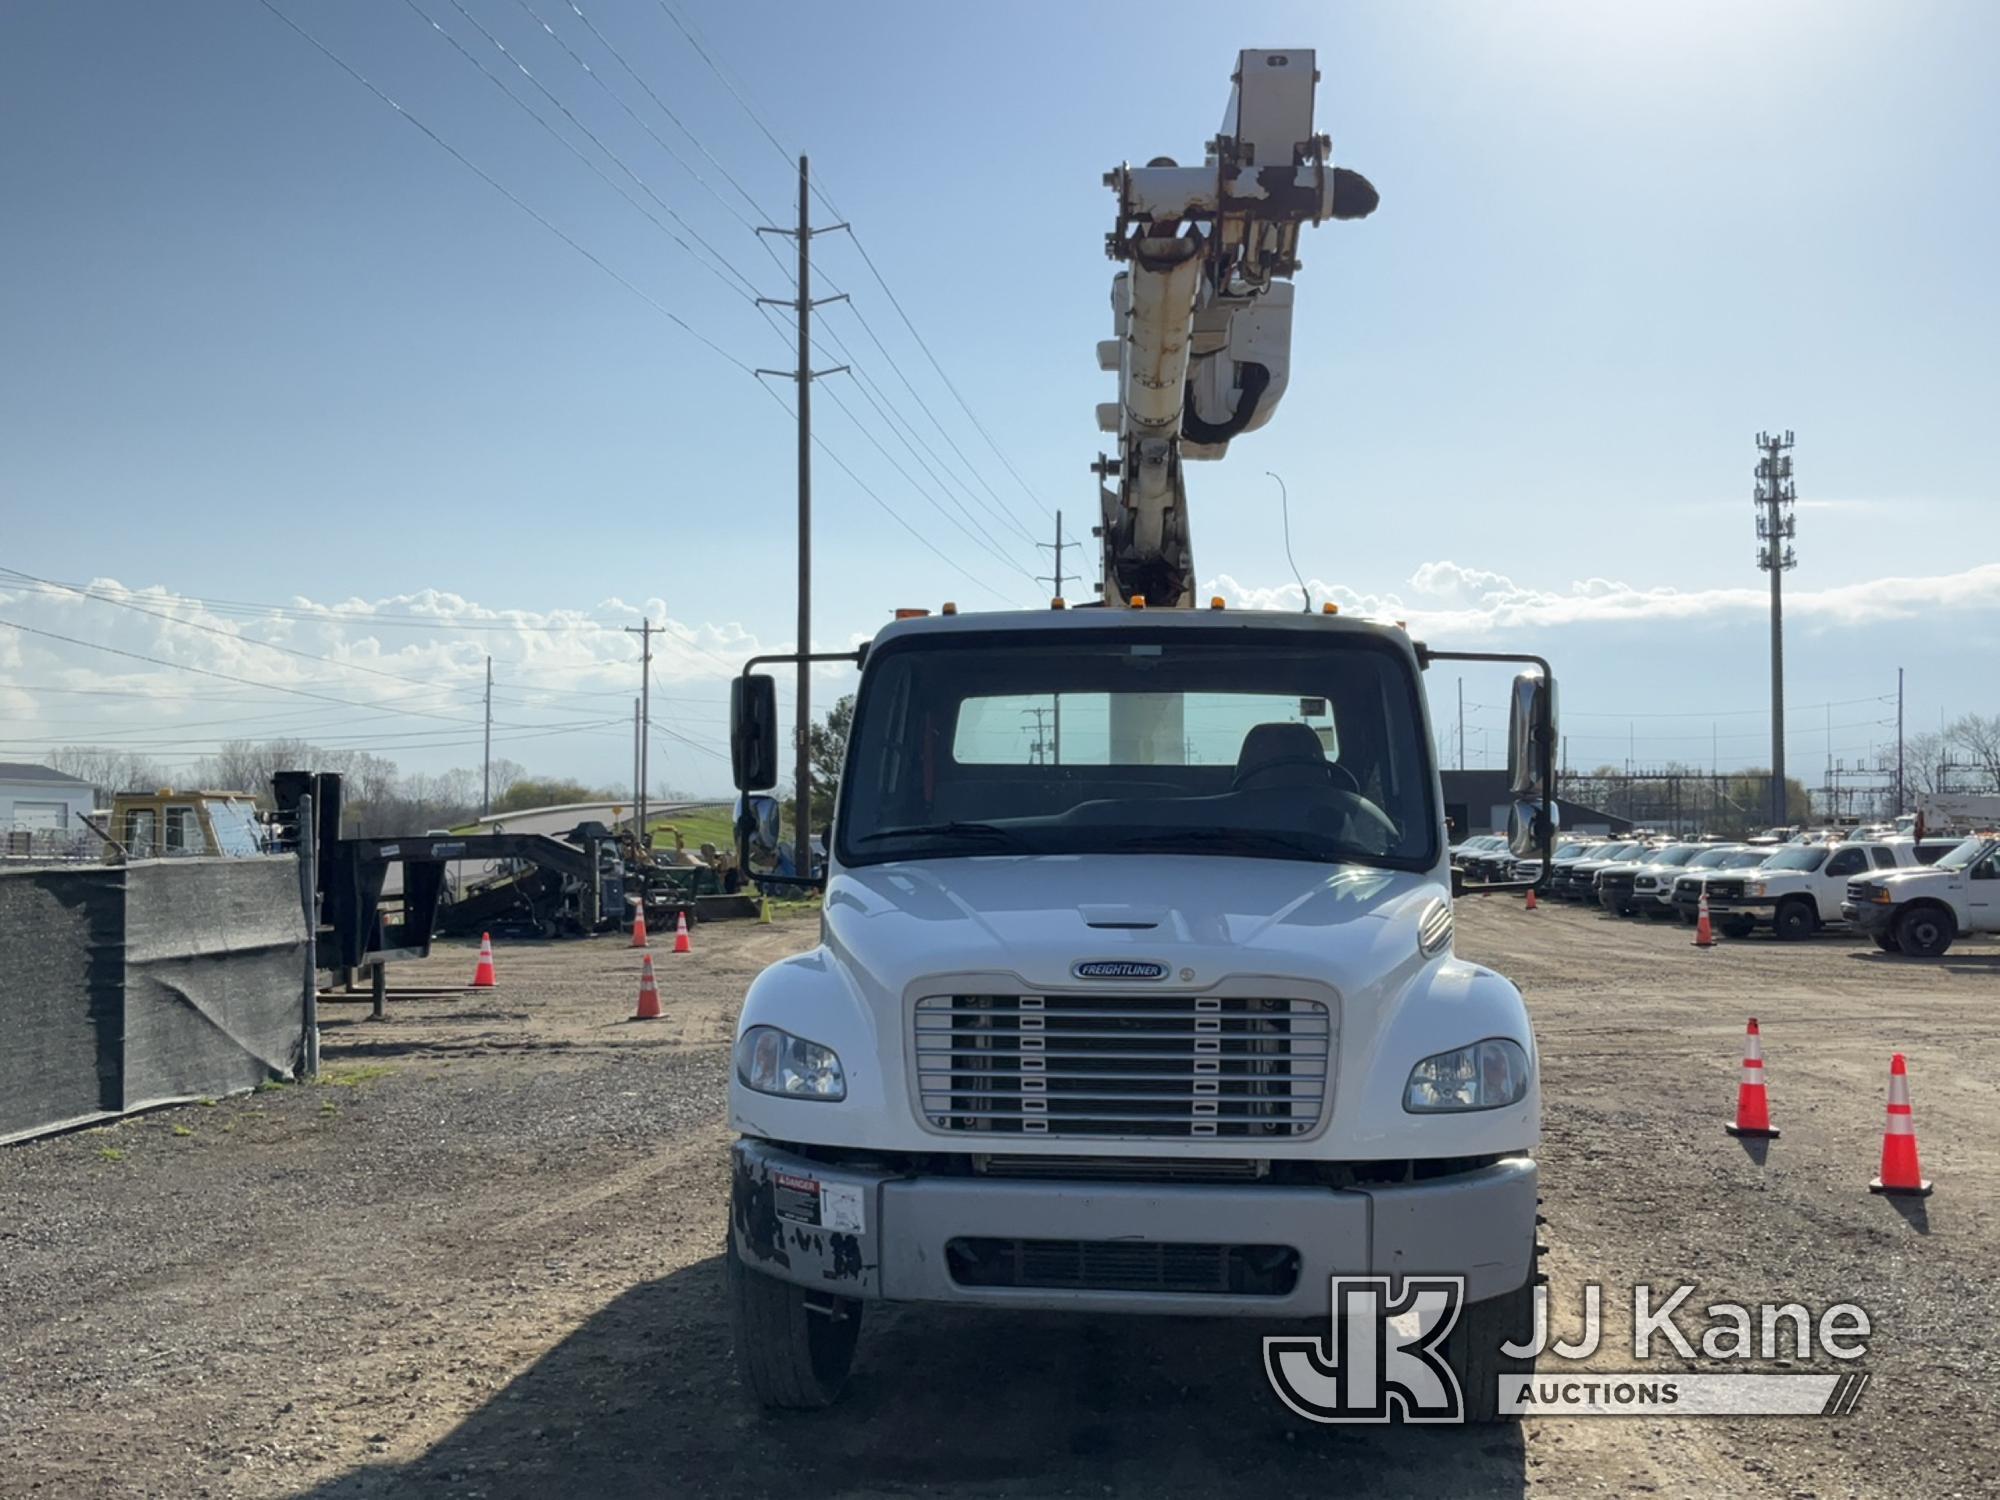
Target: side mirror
x,y
753,732
1531,752
757,816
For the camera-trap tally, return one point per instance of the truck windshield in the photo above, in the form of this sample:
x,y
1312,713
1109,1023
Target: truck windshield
x,y
1251,745
1797,857
1967,853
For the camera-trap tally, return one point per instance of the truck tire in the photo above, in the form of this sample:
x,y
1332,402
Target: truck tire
x,y
1472,1349
790,1357
1925,931
1886,941
1796,919
1737,927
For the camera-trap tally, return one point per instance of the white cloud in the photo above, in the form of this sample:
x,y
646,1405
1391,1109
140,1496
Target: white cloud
x,y
406,669
1445,596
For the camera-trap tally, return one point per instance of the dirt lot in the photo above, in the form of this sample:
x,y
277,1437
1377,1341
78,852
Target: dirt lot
x,y
481,1258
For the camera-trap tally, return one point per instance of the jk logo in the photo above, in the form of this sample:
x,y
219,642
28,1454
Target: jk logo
x,y
1381,1353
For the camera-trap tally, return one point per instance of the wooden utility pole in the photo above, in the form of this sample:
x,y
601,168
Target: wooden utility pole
x,y
486,778
645,634
1055,582
804,375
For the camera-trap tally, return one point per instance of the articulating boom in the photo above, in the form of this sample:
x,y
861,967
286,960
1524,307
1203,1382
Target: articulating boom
x,y
1203,311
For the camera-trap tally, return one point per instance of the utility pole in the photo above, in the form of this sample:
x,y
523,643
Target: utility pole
x,y
1461,723
1055,583
486,780
1899,742
1776,526
635,759
804,376
1038,750
645,634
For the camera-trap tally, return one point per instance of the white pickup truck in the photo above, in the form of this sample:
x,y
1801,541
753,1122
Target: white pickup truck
x,y
1920,911
1799,889
1155,1013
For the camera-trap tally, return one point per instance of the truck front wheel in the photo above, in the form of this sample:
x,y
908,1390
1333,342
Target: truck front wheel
x,y
793,1348
1886,941
1796,919
1472,1349
1924,932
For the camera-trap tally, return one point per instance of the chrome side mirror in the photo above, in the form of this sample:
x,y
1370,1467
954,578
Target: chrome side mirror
x,y
1531,753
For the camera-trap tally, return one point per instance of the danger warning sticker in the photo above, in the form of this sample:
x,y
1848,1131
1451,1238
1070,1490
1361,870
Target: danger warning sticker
x,y
796,1198
826,1205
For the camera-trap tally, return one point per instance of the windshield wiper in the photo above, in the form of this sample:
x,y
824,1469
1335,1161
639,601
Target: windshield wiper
x,y
1247,841
953,829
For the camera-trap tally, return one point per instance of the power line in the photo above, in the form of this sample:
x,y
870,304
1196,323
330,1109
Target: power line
x,y
602,265
875,271
492,182
661,104
748,289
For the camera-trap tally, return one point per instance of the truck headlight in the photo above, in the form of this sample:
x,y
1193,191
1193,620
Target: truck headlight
x,y
1487,1075
1756,887
776,1062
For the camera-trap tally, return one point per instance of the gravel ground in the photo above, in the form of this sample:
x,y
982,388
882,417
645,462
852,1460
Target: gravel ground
x,y
482,1259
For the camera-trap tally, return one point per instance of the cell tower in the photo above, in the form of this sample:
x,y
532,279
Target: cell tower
x,y
1776,526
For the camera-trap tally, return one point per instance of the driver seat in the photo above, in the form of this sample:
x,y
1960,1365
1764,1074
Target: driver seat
x,y
1284,755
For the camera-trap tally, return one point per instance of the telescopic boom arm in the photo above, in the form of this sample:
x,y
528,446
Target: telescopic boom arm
x,y
1202,312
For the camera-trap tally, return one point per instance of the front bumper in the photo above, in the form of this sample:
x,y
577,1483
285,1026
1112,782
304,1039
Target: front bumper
x,y
882,1235
1871,917
1755,908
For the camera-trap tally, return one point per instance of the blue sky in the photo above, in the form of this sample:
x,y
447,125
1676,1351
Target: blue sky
x,y
268,343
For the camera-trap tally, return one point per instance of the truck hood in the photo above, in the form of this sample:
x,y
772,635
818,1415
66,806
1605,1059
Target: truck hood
x,y
1037,916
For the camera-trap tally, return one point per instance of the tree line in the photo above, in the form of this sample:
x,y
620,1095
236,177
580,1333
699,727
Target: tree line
x,y
380,798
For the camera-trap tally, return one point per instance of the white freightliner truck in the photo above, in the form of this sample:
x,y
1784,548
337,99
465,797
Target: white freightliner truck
x,y
1155,1010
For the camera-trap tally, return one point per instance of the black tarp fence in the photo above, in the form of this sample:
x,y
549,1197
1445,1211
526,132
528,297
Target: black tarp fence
x,y
128,986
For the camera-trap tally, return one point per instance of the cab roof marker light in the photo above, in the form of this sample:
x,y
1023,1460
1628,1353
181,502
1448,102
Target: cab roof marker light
x,y
1137,601
1216,602
949,608
911,614
1329,609
1058,602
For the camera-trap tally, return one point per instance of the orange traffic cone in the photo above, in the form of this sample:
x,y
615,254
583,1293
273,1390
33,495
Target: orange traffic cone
x,y
681,943
639,928
1704,935
1901,1177
482,977
1753,1109
649,994
1531,898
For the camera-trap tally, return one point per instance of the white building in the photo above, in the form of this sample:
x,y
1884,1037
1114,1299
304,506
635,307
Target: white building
x,y
35,797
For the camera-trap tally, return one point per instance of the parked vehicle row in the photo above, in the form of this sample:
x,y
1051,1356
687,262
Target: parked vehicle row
x,y
1913,896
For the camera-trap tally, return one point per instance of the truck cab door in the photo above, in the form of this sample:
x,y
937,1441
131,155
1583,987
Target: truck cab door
x,y
1982,894
1830,886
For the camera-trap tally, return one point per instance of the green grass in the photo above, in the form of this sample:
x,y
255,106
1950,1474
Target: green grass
x,y
699,825
183,1130
110,1153
355,1076
268,1086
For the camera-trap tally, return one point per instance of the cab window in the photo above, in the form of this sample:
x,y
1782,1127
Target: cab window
x,y
1848,862
140,824
183,831
1884,856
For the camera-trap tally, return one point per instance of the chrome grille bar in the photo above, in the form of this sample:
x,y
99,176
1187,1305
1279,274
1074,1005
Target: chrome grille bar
x,y
1150,1065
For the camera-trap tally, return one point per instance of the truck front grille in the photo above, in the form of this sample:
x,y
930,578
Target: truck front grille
x,y
1154,1066
1125,1266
